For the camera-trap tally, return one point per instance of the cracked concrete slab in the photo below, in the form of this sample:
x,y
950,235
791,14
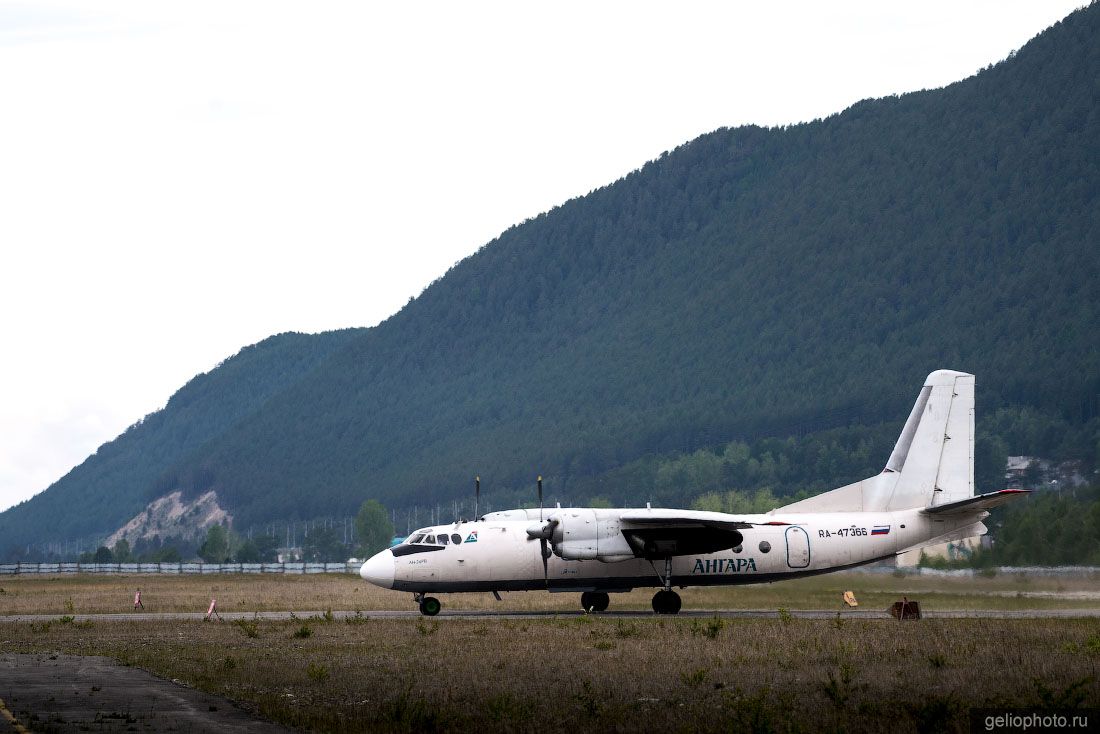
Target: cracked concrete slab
x,y
64,693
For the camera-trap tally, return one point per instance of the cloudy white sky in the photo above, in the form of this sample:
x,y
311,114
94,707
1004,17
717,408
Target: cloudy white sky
x,y
179,180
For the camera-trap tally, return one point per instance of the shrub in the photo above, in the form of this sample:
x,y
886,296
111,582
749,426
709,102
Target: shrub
x,y
317,672
249,627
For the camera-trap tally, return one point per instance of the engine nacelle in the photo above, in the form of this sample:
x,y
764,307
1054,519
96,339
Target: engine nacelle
x,y
580,535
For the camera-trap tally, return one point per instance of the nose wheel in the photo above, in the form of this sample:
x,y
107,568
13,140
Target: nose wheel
x,y
429,606
594,601
666,601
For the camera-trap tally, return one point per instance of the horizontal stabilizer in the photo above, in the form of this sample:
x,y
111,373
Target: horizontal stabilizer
x,y
975,504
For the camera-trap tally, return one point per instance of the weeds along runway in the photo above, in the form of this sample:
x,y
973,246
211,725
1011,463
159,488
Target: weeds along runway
x,y
536,615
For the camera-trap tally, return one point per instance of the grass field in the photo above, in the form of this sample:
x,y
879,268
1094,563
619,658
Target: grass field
x,y
585,673
90,593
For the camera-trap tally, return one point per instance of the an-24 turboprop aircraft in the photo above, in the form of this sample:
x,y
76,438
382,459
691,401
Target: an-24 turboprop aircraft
x,y
924,496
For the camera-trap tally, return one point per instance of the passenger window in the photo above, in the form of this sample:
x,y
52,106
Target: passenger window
x,y
443,539
456,538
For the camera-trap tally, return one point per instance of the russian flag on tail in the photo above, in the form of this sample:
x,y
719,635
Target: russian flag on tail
x,y
880,530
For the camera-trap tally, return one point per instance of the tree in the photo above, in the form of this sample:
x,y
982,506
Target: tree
x,y
324,545
373,528
121,551
248,553
166,554
990,460
215,549
260,549
103,555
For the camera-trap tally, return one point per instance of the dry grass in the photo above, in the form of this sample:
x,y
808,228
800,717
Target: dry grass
x,y
586,672
598,673
65,594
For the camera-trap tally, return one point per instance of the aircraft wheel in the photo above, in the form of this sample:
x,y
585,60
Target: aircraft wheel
x,y
666,602
595,601
430,606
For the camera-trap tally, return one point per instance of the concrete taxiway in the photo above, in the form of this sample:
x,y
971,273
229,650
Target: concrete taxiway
x,y
62,693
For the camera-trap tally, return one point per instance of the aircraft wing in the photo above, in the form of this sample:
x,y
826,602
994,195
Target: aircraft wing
x,y
977,503
682,519
662,533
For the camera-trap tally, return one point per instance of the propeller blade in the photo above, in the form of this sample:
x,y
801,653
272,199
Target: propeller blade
x,y
540,498
477,494
545,562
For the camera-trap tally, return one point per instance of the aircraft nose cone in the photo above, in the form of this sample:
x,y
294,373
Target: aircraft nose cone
x,y
378,569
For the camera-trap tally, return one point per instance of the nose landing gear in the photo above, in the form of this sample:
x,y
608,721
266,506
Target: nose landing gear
x,y
429,605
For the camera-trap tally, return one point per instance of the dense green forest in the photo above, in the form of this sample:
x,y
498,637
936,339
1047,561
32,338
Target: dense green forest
x,y
781,292
1049,528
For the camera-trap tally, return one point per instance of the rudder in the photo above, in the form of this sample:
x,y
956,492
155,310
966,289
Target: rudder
x,y
937,466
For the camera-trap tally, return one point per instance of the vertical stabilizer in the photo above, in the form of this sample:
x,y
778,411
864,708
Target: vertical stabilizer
x,y
938,464
931,464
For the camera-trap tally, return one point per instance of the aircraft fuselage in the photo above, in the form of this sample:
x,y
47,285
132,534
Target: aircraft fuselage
x,y
498,555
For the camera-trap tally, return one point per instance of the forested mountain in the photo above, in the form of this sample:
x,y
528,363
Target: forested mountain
x,y
115,483
751,285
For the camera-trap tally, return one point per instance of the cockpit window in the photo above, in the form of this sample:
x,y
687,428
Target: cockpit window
x,y
415,539
430,540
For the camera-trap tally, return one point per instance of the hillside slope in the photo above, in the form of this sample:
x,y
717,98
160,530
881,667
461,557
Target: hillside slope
x,y
748,282
115,483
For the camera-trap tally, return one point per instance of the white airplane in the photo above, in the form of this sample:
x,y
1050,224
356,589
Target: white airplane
x,y
924,496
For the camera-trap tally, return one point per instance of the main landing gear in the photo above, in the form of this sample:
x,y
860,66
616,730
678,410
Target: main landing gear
x,y
594,601
666,601
429,605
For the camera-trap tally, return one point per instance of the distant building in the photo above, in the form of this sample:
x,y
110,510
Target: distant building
x,y
289,555
1017,465
1033,472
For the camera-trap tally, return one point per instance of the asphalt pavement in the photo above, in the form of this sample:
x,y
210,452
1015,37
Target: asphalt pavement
x,y
63,693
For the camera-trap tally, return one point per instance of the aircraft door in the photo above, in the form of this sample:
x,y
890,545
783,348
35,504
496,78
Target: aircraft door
x,y
798,547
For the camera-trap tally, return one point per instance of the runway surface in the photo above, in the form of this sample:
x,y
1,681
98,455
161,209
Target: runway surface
x,y
506,614
69,693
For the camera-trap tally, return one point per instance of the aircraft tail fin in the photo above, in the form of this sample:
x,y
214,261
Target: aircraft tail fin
x,y
934,456
932,462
